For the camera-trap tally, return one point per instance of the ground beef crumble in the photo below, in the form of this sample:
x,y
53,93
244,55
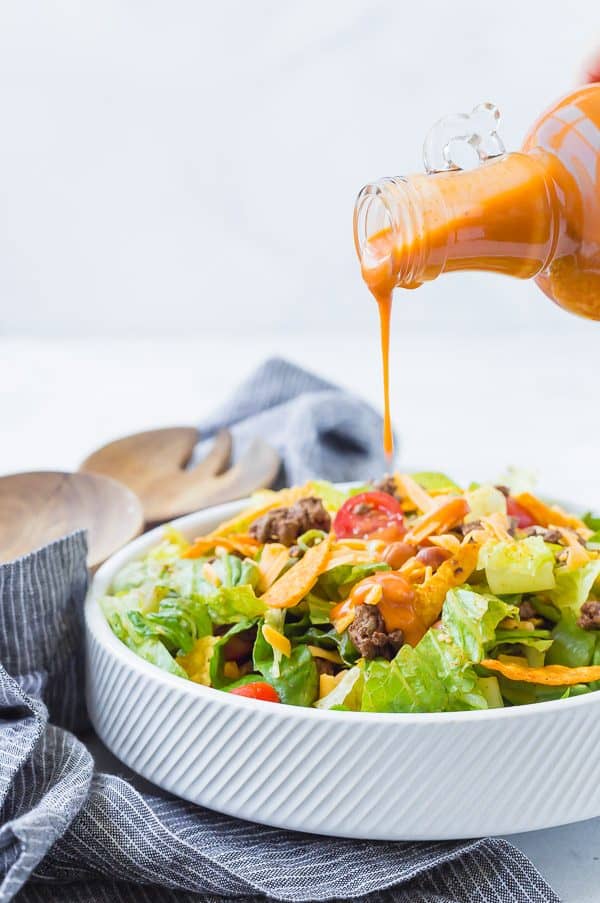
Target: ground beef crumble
x,y
527,611
369,635
285,525
386,484
552,536
589,616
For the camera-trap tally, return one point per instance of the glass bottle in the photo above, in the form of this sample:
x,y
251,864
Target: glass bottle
x,y
534,214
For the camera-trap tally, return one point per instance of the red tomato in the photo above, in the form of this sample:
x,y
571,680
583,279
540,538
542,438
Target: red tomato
x,y
257,690
368,515
520,514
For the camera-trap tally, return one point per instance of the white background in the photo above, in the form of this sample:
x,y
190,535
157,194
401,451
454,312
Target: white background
x,y
176,190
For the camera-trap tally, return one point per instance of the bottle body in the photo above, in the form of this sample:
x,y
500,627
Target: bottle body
x,y
532,214
566,140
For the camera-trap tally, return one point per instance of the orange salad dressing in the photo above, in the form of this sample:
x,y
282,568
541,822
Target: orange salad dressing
x,y
533,214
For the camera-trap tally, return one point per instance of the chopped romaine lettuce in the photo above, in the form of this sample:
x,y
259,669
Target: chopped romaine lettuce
x,y
319,610
154,652
483,501
572,646
331,496
234,571
406,684
178,623
325,639
336,583
490,690
346,693
573,587
522,566
592,521
435,482
438,674
541,640
452,666
297,682
230,604
471,619
217,660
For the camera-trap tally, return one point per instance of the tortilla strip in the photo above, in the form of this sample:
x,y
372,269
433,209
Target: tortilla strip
x,y
438,520
453,572
242,542
282,499
410,489
549,675
272,561
550,515
293,586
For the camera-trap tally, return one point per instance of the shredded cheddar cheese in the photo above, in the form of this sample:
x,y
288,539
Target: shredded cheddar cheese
x,y
277,640
410,489
576,555
328,682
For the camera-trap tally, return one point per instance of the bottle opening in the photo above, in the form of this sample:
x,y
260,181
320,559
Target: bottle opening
x,y
388,227
372,218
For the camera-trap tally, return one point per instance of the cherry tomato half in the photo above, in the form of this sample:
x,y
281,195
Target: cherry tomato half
x,y
370,515
257,690
520,514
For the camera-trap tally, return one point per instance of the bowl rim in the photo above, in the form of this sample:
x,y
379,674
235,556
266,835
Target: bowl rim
x,y
98,627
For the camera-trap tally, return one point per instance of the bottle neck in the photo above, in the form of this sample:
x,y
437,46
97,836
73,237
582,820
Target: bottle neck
x,y
500,217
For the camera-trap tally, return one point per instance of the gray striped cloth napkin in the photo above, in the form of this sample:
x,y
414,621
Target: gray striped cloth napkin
x,y
70,833
318,429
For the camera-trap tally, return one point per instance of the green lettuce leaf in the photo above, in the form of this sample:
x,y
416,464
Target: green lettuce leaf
x,y
522,566
471,619
331,496
572,646
592,521
451,665
541,640
573,587
234,571
153,651
297,680
346,695
229,605
217,661
301,634
437,675
409,683
336,583
319,610
178,622
435,482
184,577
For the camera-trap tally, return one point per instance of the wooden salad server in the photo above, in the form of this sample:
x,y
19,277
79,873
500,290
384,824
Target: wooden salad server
x,y
153,465
37,508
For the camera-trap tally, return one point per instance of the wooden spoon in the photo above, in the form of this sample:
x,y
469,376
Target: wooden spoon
x,y
153,465
36,508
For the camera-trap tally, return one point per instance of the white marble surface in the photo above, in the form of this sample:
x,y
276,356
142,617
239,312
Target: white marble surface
x,y
467,404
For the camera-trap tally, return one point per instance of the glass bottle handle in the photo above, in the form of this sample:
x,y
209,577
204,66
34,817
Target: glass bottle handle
x,y
463,140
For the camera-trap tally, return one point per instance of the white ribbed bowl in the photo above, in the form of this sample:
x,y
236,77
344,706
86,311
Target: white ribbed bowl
x,y
375,776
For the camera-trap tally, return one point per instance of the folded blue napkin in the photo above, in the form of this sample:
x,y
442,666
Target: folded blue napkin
x,y
318,428
70,833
